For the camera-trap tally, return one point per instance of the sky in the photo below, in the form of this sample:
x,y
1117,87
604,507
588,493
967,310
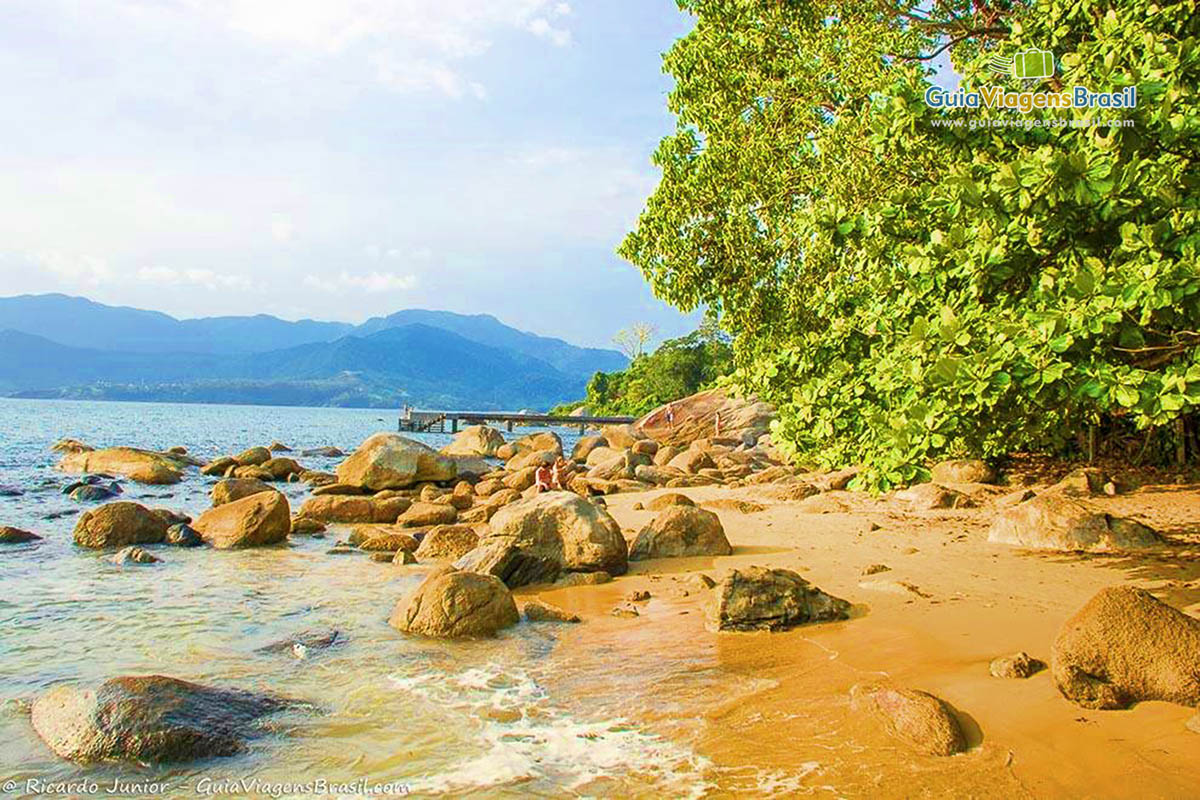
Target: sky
x,y
336,159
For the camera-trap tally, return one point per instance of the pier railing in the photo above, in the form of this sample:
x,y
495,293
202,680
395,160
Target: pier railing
x,y
426,421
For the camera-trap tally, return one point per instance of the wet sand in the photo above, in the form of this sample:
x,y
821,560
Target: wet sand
x,y
770,711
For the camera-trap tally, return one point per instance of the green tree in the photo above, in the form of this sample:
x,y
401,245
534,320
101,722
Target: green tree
x,y
903,288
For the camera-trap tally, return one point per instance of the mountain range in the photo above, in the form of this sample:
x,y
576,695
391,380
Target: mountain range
x,y
53,345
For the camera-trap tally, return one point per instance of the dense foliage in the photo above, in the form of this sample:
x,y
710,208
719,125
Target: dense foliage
x,y
677,368
904,288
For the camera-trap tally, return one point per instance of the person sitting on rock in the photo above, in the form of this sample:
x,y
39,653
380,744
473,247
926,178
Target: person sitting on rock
x,y
560,474
542,479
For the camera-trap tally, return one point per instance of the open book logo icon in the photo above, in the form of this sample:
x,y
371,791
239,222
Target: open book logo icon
x,y
1029,64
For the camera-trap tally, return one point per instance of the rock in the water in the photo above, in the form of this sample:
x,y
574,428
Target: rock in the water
x,y
965,470
681,531
449,542
71,446
390,461
389,542
253,457
134,555
10,491
667,500
143,466
92,494
1124,646
564,529
183,535
323,452
572,579
308,640
148,719
539,611
218,466
278,447
282,468
1056,522
16,535
305,526
119,524
475,440
255,521
230,489
757,598
1018,665
451,603
923,722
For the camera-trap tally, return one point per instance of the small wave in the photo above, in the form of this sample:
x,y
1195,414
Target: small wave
x,y
524,738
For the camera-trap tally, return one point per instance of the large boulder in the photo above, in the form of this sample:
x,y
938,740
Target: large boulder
x,y
390,461
475,440
743,419
451,603
1124,646
255,521
231,489
586,445
422,515
349,509
562,529
282,468
547,441
681,531
143,466
1056,522
691,461
147,719
118,525
757,598
963,470
622,436
923,722
449,542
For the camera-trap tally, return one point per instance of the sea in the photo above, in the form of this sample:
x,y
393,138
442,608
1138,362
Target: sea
x,y
383,714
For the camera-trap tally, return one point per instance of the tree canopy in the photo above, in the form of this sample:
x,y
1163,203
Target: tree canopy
x,y
906,282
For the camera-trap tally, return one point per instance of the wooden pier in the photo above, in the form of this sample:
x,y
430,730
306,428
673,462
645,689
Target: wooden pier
x,y
427,421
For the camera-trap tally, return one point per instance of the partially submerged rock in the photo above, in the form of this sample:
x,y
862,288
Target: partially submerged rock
x,y
307,640
255,521
1056,522
757,598
450,603
182,534
1124,646
10,535
134,555
681,531
148,719
390,461
119,524
231,489
922,721
348,509
143,466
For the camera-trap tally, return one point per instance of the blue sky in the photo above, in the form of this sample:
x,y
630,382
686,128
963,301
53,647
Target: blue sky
x,y
335,159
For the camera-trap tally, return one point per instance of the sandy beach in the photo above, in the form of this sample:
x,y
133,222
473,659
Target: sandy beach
x,y
771,710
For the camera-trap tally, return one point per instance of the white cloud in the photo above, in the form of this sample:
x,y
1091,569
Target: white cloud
x,y
282,228
75,268
541,27
371,282
206,278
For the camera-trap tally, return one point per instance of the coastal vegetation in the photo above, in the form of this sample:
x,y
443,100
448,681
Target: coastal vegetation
x,y
675,369
907,283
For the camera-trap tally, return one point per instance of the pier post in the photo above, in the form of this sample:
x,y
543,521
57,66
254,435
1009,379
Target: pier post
x,y
454,424
509,423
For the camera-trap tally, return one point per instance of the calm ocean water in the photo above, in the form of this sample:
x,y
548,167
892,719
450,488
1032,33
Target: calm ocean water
x,y
389,708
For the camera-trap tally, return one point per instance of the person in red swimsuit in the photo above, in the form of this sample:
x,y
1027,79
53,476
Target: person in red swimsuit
x,y
543,479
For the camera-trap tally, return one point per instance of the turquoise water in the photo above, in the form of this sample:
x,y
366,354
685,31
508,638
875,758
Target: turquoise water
x,y
388,708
